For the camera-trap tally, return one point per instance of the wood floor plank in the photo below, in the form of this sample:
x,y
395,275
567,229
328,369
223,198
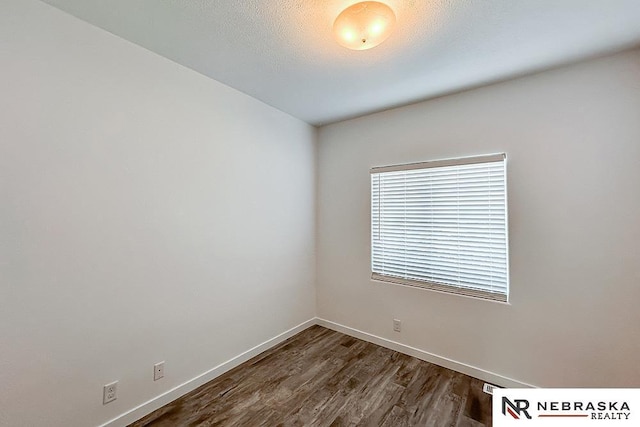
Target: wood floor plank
x,y
478,404
324,378
468,422
397,417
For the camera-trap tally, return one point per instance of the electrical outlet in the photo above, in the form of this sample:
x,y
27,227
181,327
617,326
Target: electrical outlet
x,y
397,325
109,392
158,371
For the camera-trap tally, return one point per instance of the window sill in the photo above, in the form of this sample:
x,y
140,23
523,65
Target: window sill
x,y
434,287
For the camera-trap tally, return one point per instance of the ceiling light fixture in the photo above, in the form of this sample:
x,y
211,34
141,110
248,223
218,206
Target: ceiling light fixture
x,y
364,25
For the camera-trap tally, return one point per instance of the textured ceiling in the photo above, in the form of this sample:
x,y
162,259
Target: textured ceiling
x,y
283,52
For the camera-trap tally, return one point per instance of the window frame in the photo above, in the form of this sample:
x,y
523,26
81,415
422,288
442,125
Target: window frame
x,y
450,289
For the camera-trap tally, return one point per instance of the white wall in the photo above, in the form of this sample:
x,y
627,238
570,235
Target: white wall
x,y
572,137
147,213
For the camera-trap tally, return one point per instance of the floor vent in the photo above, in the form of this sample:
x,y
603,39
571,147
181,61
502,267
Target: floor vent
x,y
488,388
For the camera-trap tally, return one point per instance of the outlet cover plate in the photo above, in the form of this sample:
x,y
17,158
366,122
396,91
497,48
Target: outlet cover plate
x,y
158,371
110,392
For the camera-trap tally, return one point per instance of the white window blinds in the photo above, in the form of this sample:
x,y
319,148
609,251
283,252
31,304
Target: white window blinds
x,y
442,225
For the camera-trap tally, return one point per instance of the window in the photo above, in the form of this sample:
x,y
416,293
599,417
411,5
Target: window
x,y
442,225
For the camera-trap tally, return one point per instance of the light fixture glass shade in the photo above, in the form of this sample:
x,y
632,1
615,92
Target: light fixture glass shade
x,y
364,25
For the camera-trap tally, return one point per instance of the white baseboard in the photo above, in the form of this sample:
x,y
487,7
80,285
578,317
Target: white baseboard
x,y
490,377
184,388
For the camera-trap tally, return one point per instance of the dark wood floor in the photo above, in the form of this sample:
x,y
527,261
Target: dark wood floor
x,y
324,378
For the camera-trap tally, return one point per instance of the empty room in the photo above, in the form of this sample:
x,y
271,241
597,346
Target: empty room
x,y
319,213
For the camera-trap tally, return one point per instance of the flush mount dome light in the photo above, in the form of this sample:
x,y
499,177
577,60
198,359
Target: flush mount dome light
x,y
364,25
